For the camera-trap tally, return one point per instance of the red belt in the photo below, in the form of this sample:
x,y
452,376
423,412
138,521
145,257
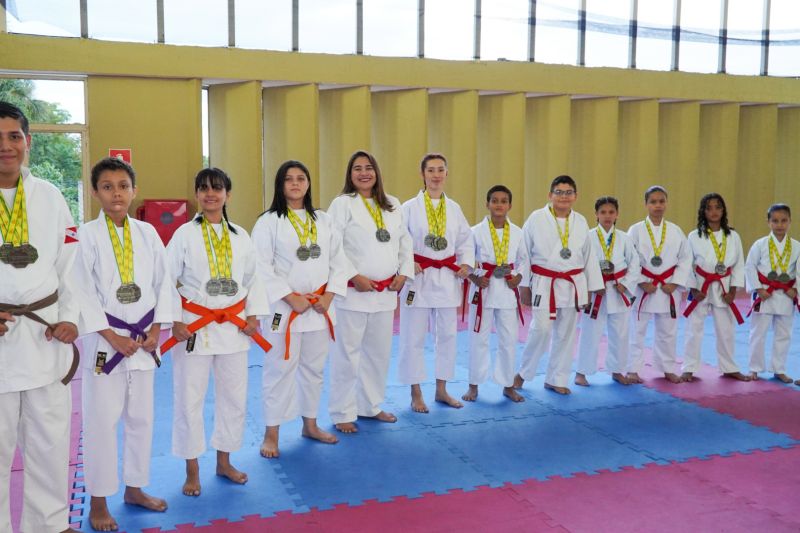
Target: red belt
x,y
708,279
381,285
598,298
659,279
220,316
489,267
294,314
447,262
772,286
554,275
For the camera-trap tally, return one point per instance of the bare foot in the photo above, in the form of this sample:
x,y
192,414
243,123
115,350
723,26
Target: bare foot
x,y
227,470
518,382
383,416
99,517
191,487
797,382
782,377
738,376
417,402
580,379
471,395
672,378
620,378
560,390
347,427
687,377
513,395
446,399
634,379
136,496
754,376
269,446
312,431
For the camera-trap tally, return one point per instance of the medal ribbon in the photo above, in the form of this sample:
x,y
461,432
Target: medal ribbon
x,y
14,225
437,219
780,260
219,262
123,251
305,229
375,213
500,248
656,249
608,249
719,251
563,235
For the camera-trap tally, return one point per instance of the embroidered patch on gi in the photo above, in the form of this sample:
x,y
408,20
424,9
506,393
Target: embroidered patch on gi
x,y
99,362
276,321
190,343
537,300
410,298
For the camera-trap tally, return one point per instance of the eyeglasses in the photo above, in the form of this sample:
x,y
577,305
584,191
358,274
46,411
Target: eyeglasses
x,y
563,192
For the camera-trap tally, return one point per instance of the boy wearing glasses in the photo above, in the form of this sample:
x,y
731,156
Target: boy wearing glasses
x,y
562,272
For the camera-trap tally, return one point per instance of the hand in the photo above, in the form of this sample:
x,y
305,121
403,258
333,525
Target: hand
x,y
363,283
397,283
120,343
299,304
621,288
791,293
65,332
463,272
648,287
514,282
764,294
417,268
323,302
729,296
180,331
153,336
669,288
5,317
480,281
252,326
525,296
697,295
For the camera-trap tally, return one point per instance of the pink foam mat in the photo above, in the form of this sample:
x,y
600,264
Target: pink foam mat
x,y
778,410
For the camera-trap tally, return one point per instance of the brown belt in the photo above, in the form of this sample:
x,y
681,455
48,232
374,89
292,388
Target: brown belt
x,y
28,311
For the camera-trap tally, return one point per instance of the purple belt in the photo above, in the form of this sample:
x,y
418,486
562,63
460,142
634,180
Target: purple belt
x,y
137,330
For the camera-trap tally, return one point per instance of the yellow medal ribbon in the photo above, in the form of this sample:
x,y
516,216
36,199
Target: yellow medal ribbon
x,y
719,251
305,229
563,235
375,213
657,249
500,247
437,219
14,224
608,249
780,260
123,251
220,261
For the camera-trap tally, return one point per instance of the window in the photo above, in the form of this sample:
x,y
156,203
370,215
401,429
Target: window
x,y
699,46
264,24
390,27
557,31
450,29
654,35
328,26
745,20
196,22
58,18
122,20
607,33
504,29
784,38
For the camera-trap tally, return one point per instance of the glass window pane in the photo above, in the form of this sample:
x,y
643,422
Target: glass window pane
x,y
557,32
784,35
59,18
654,35
46,101
699,47
504,29
328,26
449,29
607,30
390,27
264,24
205,125
123,20
196,22
745,18
57,158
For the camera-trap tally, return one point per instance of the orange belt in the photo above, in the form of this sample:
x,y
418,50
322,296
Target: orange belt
x,y
294,314
708,279
220,316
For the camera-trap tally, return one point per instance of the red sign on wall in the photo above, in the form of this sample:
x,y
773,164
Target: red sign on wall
x,y
120,153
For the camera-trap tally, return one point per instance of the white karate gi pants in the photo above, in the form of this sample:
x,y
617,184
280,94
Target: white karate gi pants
x,y
38,420
782,338
293,387
664,340
359,364
617,328
506,323
559,336
190,379
126,396
413,330
724,330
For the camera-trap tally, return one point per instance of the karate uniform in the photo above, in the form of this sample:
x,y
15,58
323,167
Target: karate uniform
x,y
437,293
292,386
127,391
676,253
219,347
499,307
776,311
705,258
613,315
35,407
363,347
541,238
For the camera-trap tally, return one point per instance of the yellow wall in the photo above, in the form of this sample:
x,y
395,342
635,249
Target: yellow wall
x,y
547,143
637,157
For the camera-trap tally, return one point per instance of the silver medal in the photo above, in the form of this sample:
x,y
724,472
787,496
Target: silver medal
x,y
441,243
501,271
772,276
565,253
228,287
314,251
430,238
720,269
214,287
5,252
303,253
22,255
656,261
607,267
128,293
382,235
784,278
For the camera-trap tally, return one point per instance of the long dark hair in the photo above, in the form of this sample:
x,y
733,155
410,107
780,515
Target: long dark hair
x,y
216,178
378,193
702,223
279,204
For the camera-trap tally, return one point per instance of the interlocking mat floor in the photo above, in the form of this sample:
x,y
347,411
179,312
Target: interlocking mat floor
x,y
713,455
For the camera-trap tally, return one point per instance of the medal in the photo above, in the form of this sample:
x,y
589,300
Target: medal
x,y
565,253
303,253
228,286
501,271
214,287
382,235
607,266
16,250
429,238
719,251
656,261
500,248
22,255
440,244
5,252
128,293
772,276
720,269
314,251
437,223
307,235
784,278
779,261
220,259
